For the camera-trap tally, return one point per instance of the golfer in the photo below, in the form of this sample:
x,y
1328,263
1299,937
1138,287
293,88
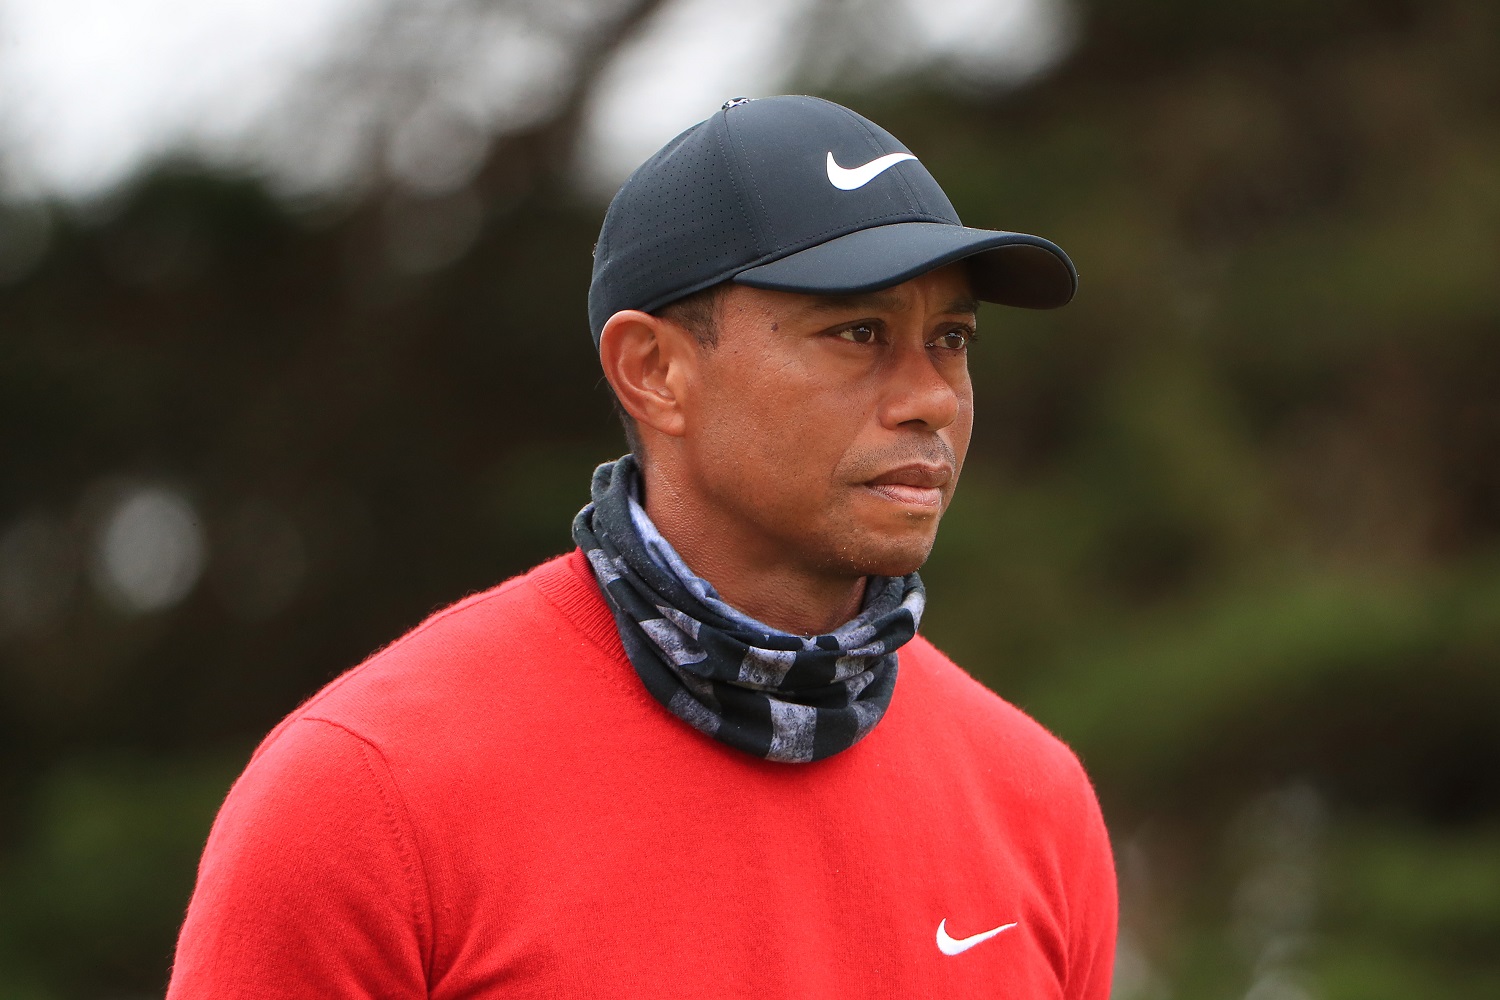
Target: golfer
x,y
706,753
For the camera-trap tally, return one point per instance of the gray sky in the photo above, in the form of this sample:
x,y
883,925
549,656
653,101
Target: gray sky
x,y
88,88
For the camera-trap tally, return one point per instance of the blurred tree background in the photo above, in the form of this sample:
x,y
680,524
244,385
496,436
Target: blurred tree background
x,y
1230,525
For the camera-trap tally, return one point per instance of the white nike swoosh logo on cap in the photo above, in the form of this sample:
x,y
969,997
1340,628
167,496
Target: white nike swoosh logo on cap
x,y
949,946
858,177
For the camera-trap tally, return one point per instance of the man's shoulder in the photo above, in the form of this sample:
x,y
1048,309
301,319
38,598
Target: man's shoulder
x,y
467,655
979,723
960,692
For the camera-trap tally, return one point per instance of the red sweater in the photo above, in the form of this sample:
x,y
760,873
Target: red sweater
x,y
494,806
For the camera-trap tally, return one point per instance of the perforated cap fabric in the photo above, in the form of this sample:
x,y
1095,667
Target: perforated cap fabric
x,y
799,194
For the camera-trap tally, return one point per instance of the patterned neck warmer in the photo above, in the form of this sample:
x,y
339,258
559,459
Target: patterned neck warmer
x,y
782,697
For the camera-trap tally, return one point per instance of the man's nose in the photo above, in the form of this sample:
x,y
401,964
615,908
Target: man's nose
x,y
917,391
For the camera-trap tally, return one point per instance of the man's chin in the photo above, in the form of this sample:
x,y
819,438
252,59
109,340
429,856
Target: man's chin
x,y
891,557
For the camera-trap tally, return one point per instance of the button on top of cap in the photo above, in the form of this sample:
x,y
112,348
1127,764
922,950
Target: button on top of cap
x,y
734,102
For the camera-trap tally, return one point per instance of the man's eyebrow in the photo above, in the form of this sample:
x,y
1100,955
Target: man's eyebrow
x,y
847,303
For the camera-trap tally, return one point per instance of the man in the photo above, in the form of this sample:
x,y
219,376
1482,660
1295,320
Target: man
x,y
678,762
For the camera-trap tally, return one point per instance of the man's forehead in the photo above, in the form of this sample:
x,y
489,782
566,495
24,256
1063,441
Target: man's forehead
x,y
945,291
888,300
944,294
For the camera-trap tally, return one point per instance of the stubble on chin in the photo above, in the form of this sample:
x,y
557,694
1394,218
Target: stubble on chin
x,y
865,552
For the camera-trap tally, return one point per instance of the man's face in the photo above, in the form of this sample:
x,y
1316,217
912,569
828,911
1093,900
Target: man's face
x,y
830,431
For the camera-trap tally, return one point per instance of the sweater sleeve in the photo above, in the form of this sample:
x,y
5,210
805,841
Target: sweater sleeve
x,y
1094,909
310,884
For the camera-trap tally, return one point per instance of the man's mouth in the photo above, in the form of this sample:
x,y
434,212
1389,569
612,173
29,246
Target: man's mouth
x,y
917,485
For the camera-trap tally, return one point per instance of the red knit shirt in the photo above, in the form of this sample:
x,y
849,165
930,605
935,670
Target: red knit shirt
x,y
494,806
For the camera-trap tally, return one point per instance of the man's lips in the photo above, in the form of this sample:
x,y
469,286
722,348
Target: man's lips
x,y
916,485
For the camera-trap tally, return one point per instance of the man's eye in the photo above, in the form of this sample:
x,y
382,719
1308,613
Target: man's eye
x,y
860,334
954,340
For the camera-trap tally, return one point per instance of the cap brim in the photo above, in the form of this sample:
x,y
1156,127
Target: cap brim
x,y
1013,269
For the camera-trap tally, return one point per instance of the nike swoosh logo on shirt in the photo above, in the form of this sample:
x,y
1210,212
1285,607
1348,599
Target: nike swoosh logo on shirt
x,y
951,946
857,177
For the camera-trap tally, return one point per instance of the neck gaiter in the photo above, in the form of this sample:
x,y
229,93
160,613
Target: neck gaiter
x,y
778,696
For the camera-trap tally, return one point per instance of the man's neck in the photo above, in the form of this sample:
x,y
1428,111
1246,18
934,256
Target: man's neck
x,y
775,591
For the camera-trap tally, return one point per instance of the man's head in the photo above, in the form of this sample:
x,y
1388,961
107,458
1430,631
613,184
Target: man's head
x,y
825,432
783,300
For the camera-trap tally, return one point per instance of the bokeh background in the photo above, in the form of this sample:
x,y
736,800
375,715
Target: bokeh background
x,y
304,357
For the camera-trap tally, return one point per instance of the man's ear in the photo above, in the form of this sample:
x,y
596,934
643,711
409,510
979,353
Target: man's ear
x,y
648,362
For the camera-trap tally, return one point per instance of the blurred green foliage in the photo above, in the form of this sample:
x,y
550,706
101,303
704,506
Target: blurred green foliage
x,y
1230,525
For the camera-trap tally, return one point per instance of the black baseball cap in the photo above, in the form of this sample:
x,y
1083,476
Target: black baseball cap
x,y
799,194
